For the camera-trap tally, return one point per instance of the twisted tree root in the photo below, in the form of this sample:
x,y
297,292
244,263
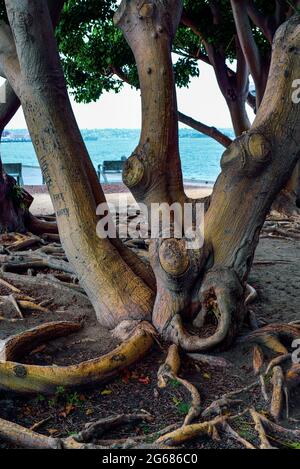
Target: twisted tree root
x,y
33,260
270,336
277,432
93,431
190,432
264,442
25,438
233,434
45,379
169,370
211,360
15,347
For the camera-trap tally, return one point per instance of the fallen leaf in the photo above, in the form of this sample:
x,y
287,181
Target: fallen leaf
x,y
145,380
106,392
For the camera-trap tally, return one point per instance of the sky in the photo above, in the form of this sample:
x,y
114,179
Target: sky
x,y
203,101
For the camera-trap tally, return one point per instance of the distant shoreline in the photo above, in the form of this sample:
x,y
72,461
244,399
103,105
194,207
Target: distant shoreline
x,y
115,188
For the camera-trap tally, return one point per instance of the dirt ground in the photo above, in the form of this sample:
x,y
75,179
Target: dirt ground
x,y
276,277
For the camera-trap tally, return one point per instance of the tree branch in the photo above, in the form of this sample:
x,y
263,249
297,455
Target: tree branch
x,y
205,129
150,35
249,46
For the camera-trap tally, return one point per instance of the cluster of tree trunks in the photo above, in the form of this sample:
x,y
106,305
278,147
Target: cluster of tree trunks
x,y
183,283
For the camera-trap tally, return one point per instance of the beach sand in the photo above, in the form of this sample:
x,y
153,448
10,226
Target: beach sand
x,y
42,204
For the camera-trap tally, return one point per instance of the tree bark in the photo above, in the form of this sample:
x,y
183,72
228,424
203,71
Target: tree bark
x,y
14,201
253,172
149,29
112,286
254,169
205,129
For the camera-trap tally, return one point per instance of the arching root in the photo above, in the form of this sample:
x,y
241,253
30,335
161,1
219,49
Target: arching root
x,y
169,370
45,379
251,295
15,347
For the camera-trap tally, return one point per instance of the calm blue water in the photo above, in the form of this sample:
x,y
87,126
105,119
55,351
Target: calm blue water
x,y
200,155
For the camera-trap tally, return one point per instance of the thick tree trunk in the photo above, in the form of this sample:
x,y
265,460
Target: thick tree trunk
x,y
112,286
205,129
255,167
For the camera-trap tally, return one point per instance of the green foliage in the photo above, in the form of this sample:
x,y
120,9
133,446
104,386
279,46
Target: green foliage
x,y
92,48
182,407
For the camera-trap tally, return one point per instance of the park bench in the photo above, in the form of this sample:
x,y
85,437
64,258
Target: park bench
x,y
14,170
110,167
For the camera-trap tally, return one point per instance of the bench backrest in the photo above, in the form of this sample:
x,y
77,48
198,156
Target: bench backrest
x,y
113,165
13,168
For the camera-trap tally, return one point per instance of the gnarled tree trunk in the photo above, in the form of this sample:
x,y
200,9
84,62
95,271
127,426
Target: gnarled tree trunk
x,y
254,169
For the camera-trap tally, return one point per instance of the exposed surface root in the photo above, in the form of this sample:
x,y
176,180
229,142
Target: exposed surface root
x,y
15,347
264,442
45,379
33,260
258,359
233,434
28,439
277,395
282,436
95,430
251,295
227,401
270,336
169,370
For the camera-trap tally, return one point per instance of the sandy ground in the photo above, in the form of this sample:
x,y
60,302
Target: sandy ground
x,y
42,204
